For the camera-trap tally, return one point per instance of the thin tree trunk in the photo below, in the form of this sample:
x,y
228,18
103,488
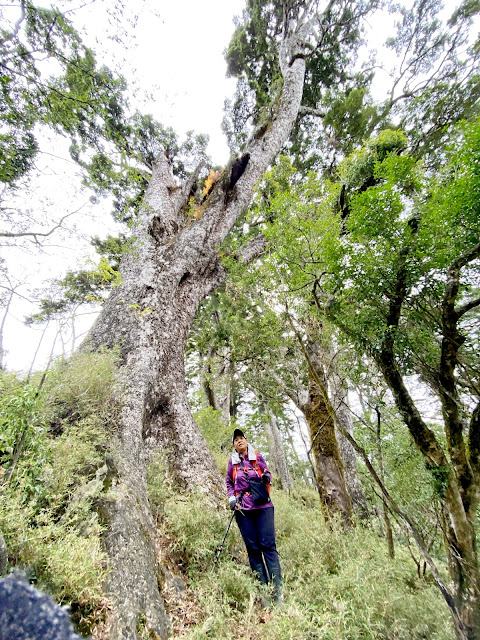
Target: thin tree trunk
x,y
2,327
74,337
226,386
3,555
37,350
381,473
277,452
343,418
206,378
298,463
19,445
308,450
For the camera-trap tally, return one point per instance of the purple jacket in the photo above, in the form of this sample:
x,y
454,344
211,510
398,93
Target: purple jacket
x,y
241,482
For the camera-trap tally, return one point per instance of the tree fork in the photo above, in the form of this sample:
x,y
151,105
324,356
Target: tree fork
x,y
173,265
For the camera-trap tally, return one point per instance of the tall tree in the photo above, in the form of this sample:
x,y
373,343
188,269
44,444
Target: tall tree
x,y
425,322
277,364
173,264
315,389
337,112
399,278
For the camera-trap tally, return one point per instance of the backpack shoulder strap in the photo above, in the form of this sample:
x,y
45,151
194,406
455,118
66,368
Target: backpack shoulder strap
x,y
234,472
256,467
254,464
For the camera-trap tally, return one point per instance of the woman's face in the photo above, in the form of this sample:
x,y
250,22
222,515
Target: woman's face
x,y
240,444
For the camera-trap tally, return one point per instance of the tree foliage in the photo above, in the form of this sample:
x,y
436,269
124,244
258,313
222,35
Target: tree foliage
x,y
389,254
433,82
50,77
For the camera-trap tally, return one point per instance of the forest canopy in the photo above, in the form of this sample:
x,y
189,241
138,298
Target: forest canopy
x,y
320,291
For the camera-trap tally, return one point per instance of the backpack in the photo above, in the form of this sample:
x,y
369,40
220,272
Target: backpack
x,y
257,488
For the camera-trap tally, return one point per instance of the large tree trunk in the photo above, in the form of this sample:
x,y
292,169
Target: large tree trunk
x,y
329,467
320,417
149,316
319,413
173,264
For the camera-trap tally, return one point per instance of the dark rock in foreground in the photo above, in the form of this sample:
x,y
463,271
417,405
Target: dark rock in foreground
x,y
27,614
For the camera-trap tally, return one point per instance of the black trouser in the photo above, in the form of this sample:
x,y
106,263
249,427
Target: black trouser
x,y
258,533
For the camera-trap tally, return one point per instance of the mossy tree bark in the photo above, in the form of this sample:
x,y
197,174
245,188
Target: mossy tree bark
x,y
459,472
173,264
320,419
343,418
316,405
336,388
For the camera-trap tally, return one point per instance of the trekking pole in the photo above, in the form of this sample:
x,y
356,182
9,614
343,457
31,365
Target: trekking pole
x,y
220,548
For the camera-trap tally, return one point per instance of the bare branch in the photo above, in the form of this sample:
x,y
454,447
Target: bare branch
x,y
468,306
12,290
16,28
187,188
37,234
288,392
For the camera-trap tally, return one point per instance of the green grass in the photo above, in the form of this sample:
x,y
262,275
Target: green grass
x,y
47,510
337,585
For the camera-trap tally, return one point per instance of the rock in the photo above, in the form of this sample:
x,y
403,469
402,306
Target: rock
x,y
28,614
175,583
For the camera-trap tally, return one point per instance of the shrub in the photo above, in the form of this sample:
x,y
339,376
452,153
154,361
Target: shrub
x,y
197,531
74,458
81,386
47,512
337,585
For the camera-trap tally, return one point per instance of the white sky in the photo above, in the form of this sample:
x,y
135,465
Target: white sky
x,y
174,50
171,50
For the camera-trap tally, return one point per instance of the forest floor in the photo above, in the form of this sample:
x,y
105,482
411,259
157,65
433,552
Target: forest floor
x,y
337,585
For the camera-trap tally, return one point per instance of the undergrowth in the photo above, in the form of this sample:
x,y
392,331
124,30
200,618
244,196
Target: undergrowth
x,y
337,585
47,509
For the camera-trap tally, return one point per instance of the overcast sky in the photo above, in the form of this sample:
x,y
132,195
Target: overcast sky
x,y
172,56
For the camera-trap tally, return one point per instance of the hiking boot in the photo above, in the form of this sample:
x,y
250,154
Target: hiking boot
x,y
278,600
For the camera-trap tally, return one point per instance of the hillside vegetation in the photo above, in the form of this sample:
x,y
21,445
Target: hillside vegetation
x,y
338,585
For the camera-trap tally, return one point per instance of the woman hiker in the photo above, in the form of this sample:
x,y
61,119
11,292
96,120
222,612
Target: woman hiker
x,y
248,487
